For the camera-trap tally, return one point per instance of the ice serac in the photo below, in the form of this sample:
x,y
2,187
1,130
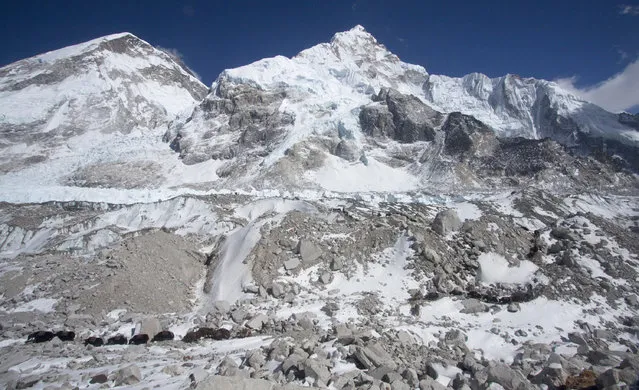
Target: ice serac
x,y
116,84
526,107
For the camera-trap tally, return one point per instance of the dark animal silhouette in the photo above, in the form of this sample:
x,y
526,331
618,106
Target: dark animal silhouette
x,y
117,340
207,333
139,339
164,335
95,341
65,335
40,337
191,337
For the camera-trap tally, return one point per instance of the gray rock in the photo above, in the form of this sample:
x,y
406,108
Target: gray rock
x,y
294,360
254,358
562,233
27,382
446,221
464,133
632,300
317,370
513,307
380,372
555,248
222,307
629,376
326,277
216,382
472,306
277,290
399,385
257,322
347,150
405,338
455,337
337,264
411,377
404,118
308,251
568,260
508,378
150,326
128,375
431,256
292,264
430,384
608,378
173,370
373,355
239,315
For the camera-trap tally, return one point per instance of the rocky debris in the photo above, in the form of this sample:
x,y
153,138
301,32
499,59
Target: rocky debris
x,y
127,376
446,221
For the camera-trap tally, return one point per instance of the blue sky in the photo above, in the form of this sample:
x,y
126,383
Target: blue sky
x,y
593,46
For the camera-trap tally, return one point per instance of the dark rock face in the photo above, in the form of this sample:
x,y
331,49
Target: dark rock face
x,y
376,121
463,132
631,120
523,157
249,117
403,118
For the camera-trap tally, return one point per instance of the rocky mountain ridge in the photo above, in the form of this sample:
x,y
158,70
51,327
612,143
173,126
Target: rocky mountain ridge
x,y
348,108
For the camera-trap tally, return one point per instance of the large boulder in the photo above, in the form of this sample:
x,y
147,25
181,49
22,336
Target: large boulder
x,y
446,221
309,252
216,382
373,355
128,376
508,378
